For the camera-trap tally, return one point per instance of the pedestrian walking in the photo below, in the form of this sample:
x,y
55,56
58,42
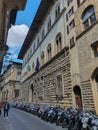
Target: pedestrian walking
x,y
1,105
6,108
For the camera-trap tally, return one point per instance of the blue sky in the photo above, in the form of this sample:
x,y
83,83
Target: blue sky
x,y
26,16
17,33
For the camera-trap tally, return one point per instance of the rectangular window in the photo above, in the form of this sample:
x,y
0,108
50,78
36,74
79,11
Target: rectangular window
x,y
66,17
59,85
72,42
67,29
71,11
72,24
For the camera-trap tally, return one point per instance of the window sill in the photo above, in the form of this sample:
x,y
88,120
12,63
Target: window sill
x,y
86,30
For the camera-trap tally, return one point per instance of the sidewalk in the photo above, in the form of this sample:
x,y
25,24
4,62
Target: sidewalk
x,y
4,124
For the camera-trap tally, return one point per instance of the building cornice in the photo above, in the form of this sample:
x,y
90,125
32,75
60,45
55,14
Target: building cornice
x,y
11,81
66,48
86,30
37,22
45,35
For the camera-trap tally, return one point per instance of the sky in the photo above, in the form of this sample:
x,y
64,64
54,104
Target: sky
x,y
17,33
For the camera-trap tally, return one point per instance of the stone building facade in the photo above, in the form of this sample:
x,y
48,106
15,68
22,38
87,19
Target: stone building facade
x,y
10,82
61,67
87,45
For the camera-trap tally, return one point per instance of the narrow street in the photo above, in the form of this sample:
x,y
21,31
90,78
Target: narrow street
x,y
20,120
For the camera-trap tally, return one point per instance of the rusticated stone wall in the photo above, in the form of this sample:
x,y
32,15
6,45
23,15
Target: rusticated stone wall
x,y
87,61
45,82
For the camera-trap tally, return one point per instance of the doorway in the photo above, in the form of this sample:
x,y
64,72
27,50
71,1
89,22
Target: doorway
x,y
32,90
78,97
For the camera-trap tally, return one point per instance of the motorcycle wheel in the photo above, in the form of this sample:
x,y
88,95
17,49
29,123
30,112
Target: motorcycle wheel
x,y
63,125
85,128
57,123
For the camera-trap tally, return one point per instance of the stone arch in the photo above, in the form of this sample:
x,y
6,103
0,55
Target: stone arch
x,y
94,77
94,73
87,15
16,93
86,9
78,96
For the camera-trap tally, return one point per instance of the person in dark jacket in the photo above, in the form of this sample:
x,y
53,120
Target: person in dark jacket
x,y
6,108
1,106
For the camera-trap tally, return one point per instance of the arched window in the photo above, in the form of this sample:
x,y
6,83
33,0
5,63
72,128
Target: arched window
x,y
49,52
57,11
42,58
88,16
58,42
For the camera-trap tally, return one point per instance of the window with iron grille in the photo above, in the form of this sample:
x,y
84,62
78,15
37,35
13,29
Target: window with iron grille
x,y
59,85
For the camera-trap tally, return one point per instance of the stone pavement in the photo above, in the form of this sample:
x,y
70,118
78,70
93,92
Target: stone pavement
x,y
4,124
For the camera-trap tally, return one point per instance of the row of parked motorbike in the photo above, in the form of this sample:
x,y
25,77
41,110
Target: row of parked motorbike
x,y
71,118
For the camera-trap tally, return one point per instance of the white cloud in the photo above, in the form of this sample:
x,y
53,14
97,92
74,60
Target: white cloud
x,y
16,36
15,56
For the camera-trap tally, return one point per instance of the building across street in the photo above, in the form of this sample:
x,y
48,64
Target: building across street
x,y
60,55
